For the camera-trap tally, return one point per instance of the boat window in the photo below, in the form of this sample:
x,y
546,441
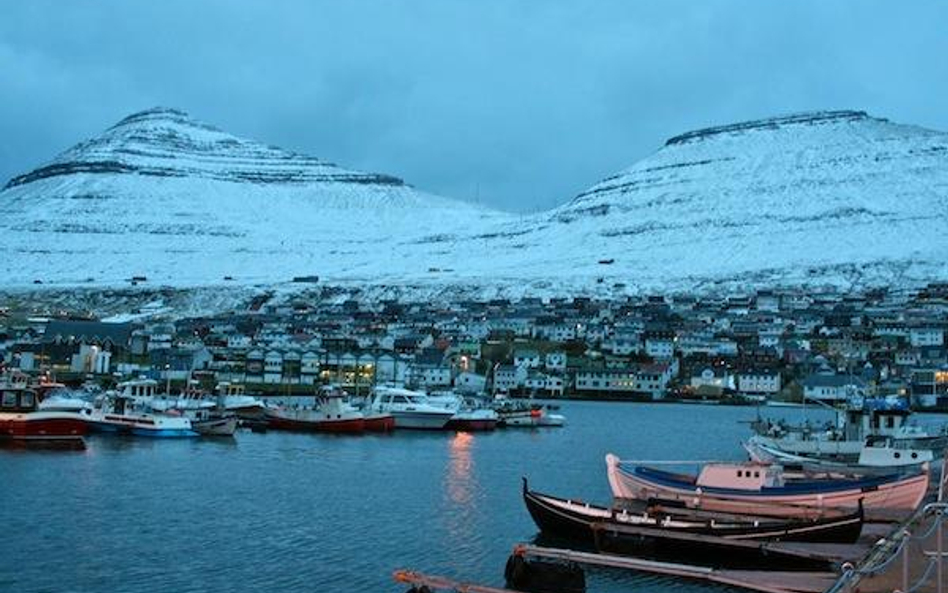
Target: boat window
x,y
756,474
890,421
26,400
9,399
740,474
400,399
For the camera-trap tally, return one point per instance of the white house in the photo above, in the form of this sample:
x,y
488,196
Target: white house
x,y
828,386
527,358
544,384
467,382
660,346
555,361
765,382
273,367
509,377
429,375
926,336
718,377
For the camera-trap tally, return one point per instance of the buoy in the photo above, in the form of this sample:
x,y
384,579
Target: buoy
x,y
538,576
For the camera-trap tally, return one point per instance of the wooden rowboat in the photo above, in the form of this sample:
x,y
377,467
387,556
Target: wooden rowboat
x,y
578,520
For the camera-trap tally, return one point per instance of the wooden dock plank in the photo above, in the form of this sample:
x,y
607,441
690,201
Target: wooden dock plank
x,y
764,581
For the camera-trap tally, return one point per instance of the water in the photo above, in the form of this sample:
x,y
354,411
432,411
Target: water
x,y
290,512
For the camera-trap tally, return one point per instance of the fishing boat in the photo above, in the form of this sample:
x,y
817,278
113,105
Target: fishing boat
x,y
411,409
120,413
330,414
471,414
578,520
24,424
879,455
860,419
522,414
214,424
762,489
237,401
473,420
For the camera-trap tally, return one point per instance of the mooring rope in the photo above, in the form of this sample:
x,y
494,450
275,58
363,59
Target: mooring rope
x,y
925,576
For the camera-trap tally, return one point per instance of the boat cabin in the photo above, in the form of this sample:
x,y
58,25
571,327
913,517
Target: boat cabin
x,y
17,400
876,416
740,476
138,388
226,388
399,397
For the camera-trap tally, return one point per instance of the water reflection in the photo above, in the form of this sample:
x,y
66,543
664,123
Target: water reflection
x,y
460,478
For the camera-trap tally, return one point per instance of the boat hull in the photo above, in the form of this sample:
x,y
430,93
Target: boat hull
x,y
216,427
379,423
893,493
341,426
579,521
471,424
142,426
421,420
43,430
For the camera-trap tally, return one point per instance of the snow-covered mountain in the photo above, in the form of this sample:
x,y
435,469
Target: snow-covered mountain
x,y
167,197
829,198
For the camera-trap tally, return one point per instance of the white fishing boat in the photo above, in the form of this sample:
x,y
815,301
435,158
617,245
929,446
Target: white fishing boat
x,y
122,412
878,455
843,440
238,402
411,409
526,414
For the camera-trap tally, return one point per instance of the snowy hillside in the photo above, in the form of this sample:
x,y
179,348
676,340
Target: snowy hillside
x,y
829,198
163,196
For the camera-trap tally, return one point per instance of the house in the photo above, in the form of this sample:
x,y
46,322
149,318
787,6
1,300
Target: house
x,y
273,367
508,378
660,345
926,336
467,382
758,382
539,383
649,380
555,361
714,377
526,358
427,375
309,368
826,385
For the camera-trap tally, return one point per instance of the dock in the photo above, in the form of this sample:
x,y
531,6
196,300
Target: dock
x,y
907,556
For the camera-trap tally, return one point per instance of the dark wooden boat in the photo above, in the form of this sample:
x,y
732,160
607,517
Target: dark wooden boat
x,y
579,521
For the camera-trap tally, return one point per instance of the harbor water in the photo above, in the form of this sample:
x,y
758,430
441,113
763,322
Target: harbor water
x,y
286,512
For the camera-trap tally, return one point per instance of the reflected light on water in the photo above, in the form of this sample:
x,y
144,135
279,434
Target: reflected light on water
x,y
460,479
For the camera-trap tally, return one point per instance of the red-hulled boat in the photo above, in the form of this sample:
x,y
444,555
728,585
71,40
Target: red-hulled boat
x,y
331,414
23,424
379,422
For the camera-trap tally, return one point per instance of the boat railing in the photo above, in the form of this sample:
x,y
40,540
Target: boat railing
x,y
902,550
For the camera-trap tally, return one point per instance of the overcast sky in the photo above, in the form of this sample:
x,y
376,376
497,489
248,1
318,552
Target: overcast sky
x,y
523,104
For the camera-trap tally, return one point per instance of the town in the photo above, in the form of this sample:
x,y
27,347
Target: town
x,y
763,346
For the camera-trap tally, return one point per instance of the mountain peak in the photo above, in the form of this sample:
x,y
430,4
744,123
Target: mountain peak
x,y
168,142
807,118
162,115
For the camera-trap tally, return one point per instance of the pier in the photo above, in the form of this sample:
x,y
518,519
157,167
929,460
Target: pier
x,y
907,556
